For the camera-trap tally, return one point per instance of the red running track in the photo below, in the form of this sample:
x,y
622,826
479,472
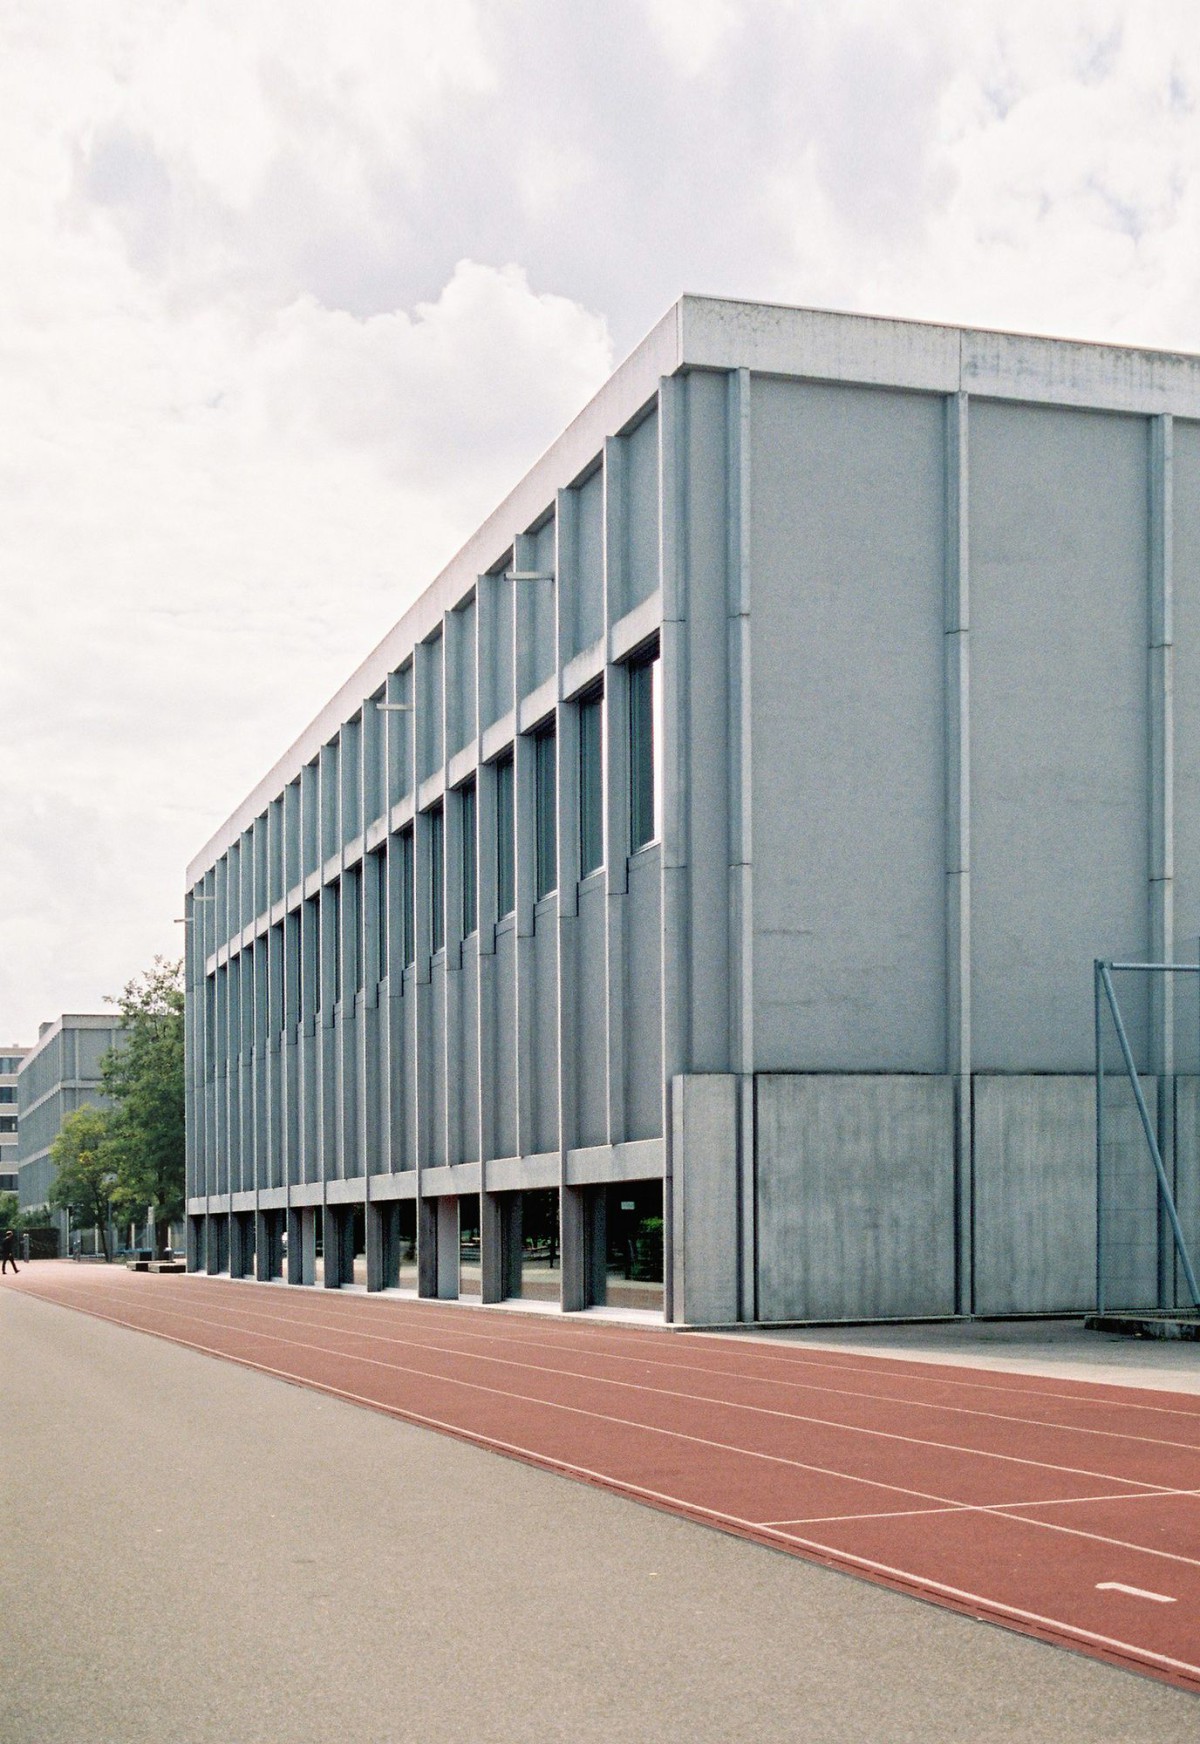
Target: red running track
x,y
1066,1510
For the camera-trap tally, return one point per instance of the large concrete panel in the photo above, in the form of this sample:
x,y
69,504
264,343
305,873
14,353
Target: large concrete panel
x,y
846,613
1059,807
704,1198
855,1196
1035,1194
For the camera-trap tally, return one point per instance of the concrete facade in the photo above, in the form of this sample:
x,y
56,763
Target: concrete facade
x,y
923,607
58,1075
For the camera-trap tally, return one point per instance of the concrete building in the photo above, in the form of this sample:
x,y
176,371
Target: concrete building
x,y
10,1064
58,1075
731,829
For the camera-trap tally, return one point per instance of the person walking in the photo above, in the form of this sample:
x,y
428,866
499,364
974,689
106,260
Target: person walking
x,y
8,1251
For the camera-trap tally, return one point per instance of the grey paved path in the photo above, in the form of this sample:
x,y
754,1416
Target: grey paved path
x,y
1042,1347
196,1552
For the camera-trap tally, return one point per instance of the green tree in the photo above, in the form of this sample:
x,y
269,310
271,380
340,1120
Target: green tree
x,y
9,1208
85,1175
144,1077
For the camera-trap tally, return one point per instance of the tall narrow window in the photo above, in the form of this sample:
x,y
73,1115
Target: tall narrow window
x,y
643,752
408,911
591,785
546,782
437,879
506,882
379,894
470,883
333,918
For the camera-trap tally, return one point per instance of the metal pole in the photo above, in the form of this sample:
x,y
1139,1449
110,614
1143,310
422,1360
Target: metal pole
x,y
1163,1184
1100,1254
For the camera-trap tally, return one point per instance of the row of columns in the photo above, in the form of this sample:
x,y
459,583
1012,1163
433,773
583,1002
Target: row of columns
x,y
250,1244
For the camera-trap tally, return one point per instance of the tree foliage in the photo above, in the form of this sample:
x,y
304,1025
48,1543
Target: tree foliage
x,y
144,1077
85,1170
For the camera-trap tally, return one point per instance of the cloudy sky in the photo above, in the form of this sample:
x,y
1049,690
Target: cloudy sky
x,y
292,292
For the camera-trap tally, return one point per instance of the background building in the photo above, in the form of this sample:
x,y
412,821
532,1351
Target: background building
x,y
10,1064
57,1075
728,834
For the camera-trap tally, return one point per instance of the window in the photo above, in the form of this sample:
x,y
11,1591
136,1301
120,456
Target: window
x,y
437,879
408,942
591,785
8,1064
7,1093
644,737
506,881
333,919
545,784
8,1123
379,893
470,887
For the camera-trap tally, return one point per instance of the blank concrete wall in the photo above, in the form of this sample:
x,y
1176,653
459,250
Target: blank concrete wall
x,y
1059,748
855,1196
846,564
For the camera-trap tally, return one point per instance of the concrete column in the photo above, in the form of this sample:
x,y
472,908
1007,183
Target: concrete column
x,y
195,1244
674,679
447,1247
239,1257
492,1256
383,1245
427,1247
1162,818
616,784
741,832
957,623
302,1245
584,1272
573,1229
264,1246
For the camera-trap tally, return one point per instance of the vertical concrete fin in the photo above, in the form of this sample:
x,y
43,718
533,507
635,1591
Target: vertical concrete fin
x,y
957,621
741,795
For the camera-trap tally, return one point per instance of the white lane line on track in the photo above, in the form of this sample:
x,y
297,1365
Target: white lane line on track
x,y
260,1314
572,1339
983,1508
924,1585
1134,1592
881,1366
641,1358
949,1503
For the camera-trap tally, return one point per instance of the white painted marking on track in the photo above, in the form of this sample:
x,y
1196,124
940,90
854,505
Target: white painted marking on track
x,y
1134,1592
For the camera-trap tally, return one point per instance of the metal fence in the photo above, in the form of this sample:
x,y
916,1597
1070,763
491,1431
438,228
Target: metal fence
x,y
1147,1135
